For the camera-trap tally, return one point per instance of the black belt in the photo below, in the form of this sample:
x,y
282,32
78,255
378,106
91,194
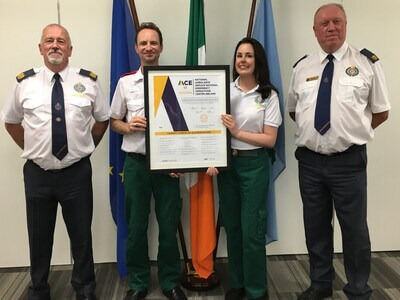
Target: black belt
x,y
352,148
252,152
137,156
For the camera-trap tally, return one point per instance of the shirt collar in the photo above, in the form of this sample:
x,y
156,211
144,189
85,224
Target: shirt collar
x,y
338,54
236,84
138,76
50,74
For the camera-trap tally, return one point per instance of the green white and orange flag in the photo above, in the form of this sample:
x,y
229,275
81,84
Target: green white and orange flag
x,y
196,46
202,219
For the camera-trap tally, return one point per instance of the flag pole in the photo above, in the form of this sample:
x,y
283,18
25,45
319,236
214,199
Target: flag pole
x,y
58,12
134,13
189,268
251,18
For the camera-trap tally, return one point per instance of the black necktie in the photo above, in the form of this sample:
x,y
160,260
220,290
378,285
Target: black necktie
x,y
322,120
59,131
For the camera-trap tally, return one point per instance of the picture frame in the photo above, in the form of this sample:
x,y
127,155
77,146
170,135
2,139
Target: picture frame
x,y
183,108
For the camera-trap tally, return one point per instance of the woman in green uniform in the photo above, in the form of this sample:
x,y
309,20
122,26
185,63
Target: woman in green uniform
x,y
253,124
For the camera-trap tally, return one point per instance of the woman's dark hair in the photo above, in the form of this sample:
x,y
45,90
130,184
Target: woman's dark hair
x,y
261,68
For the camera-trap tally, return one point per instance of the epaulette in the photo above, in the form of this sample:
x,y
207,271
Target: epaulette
x,y
25,75
88,74
371,56
128,73
294,66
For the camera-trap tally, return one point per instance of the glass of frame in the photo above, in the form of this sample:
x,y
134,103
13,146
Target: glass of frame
x,y
183,107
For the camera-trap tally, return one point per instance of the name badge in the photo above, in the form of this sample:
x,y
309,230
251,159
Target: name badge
x,y
312,78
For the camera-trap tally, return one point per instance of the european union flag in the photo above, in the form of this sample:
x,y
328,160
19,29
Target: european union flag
x,y
123,59
264,32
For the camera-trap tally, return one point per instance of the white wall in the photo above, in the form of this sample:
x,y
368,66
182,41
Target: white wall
x,y
89,23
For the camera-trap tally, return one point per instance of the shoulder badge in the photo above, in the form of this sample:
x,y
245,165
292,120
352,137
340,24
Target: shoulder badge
x,y
25,75
88,74
371,56
294,66
129,73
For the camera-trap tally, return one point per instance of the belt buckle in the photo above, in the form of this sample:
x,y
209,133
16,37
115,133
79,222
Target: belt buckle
x,y
234,152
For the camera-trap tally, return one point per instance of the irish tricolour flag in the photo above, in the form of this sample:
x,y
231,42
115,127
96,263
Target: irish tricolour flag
x,y
202,219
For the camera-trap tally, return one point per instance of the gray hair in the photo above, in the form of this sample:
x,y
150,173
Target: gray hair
x,y
331,4
56,25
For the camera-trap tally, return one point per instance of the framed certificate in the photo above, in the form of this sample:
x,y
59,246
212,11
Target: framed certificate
x,y
183,107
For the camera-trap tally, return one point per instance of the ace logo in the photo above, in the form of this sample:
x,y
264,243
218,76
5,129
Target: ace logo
x,y
185,82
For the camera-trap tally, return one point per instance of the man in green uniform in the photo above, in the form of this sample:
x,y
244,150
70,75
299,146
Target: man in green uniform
x,y
127,118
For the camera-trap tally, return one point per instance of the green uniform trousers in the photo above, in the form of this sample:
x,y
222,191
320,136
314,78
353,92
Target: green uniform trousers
x,y
139,185
243,193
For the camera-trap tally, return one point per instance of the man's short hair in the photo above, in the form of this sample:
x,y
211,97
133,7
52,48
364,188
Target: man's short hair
x,y
331,4
149,25
56,25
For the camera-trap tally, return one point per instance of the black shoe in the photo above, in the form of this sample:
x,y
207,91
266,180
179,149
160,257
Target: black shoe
x,y
135,295
312,294
175,294
263,297
90,296
235,294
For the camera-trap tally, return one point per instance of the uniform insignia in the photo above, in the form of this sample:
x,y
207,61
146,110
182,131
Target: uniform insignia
x,y
88,74
312,78
79,87
25,75
259,100
294,66
371,56
57,106
352,71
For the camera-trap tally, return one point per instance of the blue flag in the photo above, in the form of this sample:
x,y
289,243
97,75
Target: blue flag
x,y
264,32
123,59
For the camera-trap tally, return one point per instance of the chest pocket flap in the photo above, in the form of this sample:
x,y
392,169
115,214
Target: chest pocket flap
x,y
350,81
134,105
307,85
79,101
31,104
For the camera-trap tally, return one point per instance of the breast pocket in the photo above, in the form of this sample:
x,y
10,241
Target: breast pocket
x,y
135,107
349,89
34,110
305,92
80,109
32,104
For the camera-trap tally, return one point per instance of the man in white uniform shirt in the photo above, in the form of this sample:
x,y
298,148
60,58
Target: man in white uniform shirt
x,y
127,118
49,117
337,97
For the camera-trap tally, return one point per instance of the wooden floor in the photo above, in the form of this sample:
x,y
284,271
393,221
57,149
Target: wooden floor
x,y
287,277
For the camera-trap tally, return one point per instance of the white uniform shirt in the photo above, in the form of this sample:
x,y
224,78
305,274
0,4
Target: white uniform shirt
x,y
128,101
251,113
358,90
30,105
